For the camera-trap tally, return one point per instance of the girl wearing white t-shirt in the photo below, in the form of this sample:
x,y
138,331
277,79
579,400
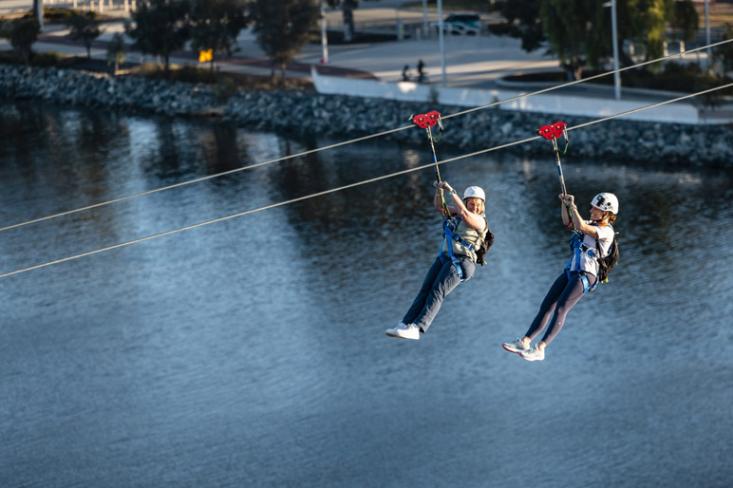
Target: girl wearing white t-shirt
x,y
580,274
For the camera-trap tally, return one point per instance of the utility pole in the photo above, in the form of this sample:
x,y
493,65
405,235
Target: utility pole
x,y
614,40
441,42
38,12
616,75
707,32
324,35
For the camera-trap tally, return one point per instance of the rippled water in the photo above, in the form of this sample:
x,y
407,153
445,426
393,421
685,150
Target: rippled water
x,y
251,352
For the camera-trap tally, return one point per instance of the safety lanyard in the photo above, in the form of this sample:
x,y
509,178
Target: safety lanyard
x,y
427,121
552,132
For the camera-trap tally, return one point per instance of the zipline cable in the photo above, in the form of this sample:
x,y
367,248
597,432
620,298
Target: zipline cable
x,y
350,141
353,185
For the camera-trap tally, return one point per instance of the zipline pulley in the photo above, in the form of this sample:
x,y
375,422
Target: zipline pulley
x,y
552,132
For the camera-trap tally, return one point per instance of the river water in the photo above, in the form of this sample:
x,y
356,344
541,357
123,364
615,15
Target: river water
x,y
251,352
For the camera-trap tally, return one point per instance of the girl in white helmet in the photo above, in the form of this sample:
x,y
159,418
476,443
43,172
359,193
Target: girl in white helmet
x,y
465,229
592,239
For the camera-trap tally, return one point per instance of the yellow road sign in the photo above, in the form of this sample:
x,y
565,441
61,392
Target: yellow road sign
x,y
206,55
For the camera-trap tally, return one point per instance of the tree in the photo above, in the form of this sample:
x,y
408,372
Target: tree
x,y
84,28
524,21
215,25
23,33
654,21
685,20
571,27
159,27
347,13
579,32
724,53
38,12
348,7
282,28
116,51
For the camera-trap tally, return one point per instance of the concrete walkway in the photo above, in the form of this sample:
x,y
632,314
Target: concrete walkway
x,y
471,61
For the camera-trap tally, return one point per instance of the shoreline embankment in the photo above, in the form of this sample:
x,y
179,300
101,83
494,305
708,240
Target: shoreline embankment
x,y
311,114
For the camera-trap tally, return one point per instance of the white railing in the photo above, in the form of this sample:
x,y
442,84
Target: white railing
x,y
684,113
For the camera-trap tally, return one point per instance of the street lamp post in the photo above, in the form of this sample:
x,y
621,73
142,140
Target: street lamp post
x,y
38,11
441,42
324,35
614,39
707,31
616,75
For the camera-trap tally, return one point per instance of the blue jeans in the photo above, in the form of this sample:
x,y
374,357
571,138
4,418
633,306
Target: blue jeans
x,y
442,278
565,292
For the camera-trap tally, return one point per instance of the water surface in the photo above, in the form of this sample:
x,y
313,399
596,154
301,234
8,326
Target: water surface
x,y
251,352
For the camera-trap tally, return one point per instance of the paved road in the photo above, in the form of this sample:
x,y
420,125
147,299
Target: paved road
x,y
10,6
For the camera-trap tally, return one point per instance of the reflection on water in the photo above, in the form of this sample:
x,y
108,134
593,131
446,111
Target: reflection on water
x,y
251,352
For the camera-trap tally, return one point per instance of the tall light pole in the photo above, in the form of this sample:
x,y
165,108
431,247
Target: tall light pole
x,y
425,26
441,42
707,31
38,11
614,39
324,35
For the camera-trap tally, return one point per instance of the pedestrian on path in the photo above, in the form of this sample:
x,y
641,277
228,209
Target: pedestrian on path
x,y
406,73
420,71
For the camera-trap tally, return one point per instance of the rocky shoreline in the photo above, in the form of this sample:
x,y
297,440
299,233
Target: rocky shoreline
x,y
308,113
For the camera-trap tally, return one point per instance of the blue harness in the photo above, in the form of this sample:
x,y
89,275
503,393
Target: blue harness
x,y
576,244
449,227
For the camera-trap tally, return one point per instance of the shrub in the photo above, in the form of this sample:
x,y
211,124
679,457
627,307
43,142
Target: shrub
x,y
84,28
23,33
116,51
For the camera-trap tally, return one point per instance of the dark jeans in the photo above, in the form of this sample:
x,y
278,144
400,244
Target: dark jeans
x,y
442,278
565,292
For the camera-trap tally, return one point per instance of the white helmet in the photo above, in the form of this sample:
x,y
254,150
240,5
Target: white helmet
x,y
608,202
474,192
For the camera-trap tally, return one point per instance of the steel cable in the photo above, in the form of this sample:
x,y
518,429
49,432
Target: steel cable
x,y
352,185
347,142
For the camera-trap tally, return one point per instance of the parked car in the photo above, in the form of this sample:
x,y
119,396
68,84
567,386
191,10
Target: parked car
x,y
462,24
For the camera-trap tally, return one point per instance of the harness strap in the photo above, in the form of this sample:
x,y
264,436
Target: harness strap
x,y
576,242
587,287
460,240
586,283
448,239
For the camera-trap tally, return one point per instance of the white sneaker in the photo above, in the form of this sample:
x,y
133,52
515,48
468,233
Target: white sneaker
x,y
404,331
516,346
533,354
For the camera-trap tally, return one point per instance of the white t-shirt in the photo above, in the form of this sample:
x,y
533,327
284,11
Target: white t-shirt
x,y
588,252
